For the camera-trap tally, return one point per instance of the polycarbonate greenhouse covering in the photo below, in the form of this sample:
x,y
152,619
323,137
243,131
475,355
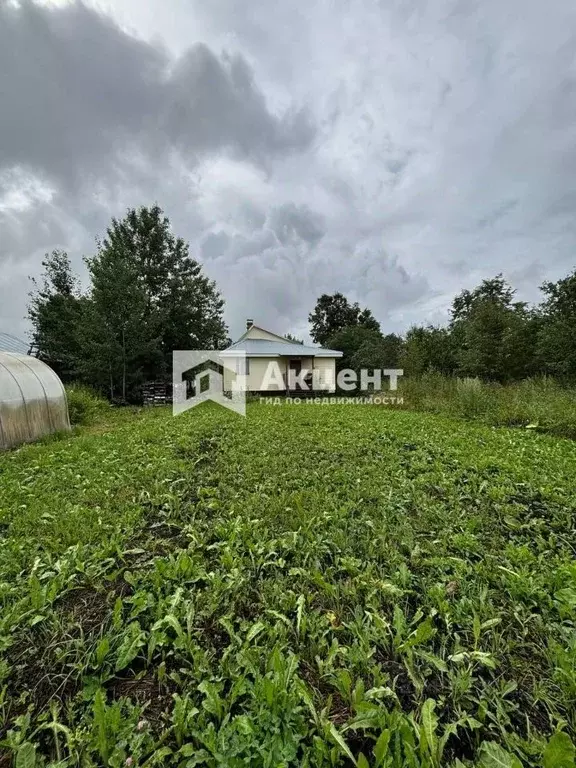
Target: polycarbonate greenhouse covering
x,y
32,400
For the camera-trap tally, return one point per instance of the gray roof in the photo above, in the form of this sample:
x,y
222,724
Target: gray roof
x,y
265,348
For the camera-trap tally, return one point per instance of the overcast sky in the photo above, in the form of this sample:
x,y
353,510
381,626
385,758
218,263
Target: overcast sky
x,y
396,151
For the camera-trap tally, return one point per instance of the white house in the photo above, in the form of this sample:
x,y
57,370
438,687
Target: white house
x,y
275,364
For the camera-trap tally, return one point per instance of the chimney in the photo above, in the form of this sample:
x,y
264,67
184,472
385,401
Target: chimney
x,y
249,323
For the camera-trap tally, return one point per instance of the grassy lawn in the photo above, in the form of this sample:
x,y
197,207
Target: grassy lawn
x,y
309,586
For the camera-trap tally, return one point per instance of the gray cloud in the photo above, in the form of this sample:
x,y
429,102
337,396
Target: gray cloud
x,y
74,89
94,119
290,221
78,93
394,151
212,103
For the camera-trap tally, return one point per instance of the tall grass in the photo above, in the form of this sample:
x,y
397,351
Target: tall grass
x,y
538,403
85,406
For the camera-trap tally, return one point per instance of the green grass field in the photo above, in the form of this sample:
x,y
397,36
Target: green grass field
x,y
309,586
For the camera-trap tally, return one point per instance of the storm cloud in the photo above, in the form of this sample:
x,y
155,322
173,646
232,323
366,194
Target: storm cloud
x,y
395,151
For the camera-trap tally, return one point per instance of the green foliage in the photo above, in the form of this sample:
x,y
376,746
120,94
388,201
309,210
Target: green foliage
x,y
490,336
85,406
56,311
349,340
333,313
557,337
293,339
365,348
495,337
495,291
559,752
121,339
428,350
309,586
492,755
147,297
378,352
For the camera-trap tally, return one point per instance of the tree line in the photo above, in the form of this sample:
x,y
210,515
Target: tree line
x,y
147,297
489,335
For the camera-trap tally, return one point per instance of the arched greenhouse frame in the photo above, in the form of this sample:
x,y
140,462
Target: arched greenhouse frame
x,y
32,400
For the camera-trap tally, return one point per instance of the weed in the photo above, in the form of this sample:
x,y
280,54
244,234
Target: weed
x,y
303,587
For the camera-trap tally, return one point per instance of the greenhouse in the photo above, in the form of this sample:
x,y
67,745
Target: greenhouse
x,y
32,400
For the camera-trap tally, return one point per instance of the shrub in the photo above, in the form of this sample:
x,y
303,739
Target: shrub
x,y
84,404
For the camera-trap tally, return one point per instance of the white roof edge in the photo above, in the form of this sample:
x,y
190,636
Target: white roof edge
x,y
319,353
238,351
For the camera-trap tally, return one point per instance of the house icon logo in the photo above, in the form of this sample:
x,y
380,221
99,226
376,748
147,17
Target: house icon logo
x,y
203,374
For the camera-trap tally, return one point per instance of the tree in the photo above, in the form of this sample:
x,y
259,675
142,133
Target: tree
x,y
378,352
519,354
557,328
56,309
428,350
349,340
121,341
333,313
486,325
365,348
494,290
293,339
367,319
149,297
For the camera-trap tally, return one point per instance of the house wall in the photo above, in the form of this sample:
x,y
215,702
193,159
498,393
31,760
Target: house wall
x,y
327,373
257,375
256,380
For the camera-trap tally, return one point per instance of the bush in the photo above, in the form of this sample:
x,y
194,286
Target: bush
x,y
85,406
